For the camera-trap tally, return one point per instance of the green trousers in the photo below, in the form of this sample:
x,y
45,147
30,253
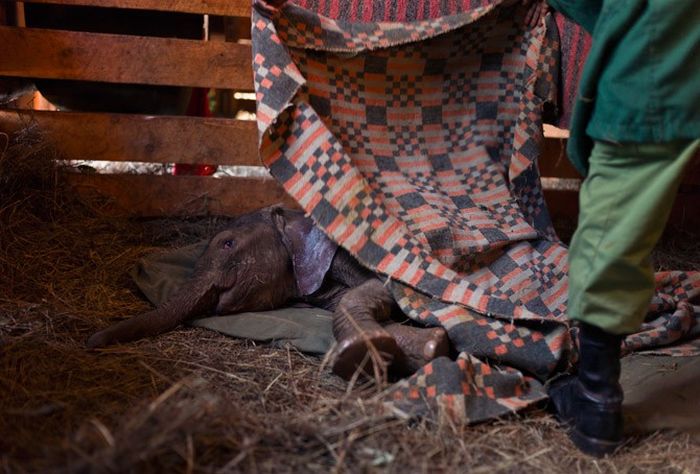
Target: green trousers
x,y
625,202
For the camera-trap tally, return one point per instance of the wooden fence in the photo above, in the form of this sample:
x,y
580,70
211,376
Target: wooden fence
x,y
58,54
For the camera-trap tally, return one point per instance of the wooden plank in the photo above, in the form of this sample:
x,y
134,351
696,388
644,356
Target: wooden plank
x,y
212,7
550,131
53,54
563,207
555,164
149,196
553,161
152,195
155,139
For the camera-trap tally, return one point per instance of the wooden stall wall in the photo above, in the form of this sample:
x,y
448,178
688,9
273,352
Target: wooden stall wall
x,y
223,63
122,59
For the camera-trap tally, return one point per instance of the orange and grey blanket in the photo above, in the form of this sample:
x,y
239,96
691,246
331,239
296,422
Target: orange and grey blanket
x,y
414,145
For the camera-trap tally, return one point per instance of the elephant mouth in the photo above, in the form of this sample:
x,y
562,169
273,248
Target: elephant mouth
x,y
231,300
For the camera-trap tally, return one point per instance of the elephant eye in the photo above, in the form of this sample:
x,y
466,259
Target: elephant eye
x,y
228,244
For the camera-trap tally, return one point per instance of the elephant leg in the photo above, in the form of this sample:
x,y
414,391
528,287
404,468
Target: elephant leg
x,y
363,344
418,346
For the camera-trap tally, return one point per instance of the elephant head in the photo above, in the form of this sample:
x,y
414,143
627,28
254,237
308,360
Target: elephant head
x,y
265,259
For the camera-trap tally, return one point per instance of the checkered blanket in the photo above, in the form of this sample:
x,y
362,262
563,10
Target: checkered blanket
x,y
414,146
574,41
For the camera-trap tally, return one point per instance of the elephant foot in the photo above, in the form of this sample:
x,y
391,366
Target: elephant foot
x,y
419,346
438,344
353,354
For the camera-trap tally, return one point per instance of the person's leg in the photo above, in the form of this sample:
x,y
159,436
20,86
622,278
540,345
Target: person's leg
x,y
625,202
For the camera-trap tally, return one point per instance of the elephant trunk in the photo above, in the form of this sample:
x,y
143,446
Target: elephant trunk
x,y
187,303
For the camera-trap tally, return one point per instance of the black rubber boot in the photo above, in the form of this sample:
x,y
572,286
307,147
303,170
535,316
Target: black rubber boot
x,y
590,403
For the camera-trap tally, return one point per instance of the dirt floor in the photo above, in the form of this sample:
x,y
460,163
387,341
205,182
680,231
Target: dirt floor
x,y
195,401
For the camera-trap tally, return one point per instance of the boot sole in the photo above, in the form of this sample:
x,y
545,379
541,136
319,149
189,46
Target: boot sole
x,y
596,447
593,446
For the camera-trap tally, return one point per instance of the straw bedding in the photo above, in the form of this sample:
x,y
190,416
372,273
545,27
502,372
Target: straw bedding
x,y
194,401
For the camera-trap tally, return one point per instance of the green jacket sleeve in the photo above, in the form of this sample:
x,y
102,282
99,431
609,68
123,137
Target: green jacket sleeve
x,y
582,12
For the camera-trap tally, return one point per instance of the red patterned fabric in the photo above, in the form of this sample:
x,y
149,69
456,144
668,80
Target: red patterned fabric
x,y
574,41
414,146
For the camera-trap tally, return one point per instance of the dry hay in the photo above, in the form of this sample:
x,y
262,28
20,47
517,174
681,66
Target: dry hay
x,y
195,401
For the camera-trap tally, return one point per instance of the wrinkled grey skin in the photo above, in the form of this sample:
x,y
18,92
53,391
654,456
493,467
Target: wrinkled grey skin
x,y
275,257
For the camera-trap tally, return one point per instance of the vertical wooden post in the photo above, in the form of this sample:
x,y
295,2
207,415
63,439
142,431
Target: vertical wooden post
x,y
19,14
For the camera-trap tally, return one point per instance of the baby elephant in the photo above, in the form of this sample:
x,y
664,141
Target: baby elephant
x,y
275,257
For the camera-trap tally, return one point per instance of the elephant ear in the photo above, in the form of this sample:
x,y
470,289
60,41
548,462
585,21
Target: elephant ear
x,y
311,251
